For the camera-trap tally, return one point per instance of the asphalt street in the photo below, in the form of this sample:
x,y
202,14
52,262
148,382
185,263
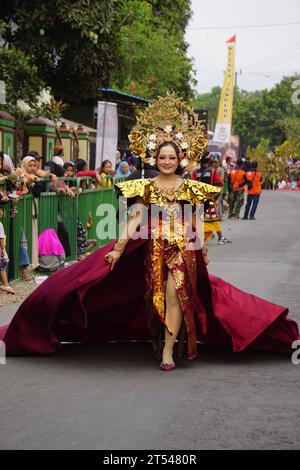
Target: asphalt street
x,y
113,396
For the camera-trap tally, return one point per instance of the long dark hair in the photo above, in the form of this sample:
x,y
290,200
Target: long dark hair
x,y
179,169
103,165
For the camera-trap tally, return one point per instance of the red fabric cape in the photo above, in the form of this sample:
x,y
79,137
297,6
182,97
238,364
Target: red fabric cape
x,y
88,302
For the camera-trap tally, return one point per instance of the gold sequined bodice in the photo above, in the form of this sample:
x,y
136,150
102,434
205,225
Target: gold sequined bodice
x,y
166,204
190,191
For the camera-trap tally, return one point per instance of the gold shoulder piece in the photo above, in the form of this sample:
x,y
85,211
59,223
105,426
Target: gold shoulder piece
x,y
197,193
133,188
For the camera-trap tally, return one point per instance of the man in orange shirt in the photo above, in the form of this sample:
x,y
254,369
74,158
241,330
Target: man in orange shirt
x,y
236,188
253,179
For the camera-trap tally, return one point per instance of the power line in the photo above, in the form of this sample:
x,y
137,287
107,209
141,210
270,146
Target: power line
x,y
270,25
277,61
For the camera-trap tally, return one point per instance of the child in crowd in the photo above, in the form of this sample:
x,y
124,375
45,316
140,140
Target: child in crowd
x,y
81,170
106,170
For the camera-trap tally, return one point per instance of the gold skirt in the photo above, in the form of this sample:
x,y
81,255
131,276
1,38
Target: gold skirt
x,y
163,256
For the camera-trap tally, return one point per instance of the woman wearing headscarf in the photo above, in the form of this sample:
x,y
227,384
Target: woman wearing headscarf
x,y
123,170
28,173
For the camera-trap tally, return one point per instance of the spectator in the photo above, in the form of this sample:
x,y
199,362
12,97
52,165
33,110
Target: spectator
x,y
8,178
123,170
81,170
7,166
59,186
58,155
247,165
281,184
143,170
24,260
42,173
236,188
133,163
4,260
30,179
105,171
253,180
69,168
118,158
216,165
212,219
51,252
83,245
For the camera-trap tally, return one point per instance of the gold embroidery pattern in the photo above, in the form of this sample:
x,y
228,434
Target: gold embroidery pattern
x,y
193,192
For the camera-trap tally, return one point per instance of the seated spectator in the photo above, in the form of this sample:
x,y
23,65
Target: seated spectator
x,y
281,184
51,252
83,245
81,170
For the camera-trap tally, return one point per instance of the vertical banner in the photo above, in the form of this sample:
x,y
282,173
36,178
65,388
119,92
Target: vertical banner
x,y
107,133
223,124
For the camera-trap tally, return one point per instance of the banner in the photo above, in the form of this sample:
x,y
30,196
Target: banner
x,y
223,124
107,133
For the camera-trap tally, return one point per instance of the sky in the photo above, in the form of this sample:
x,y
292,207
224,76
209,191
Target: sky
x,y
263,55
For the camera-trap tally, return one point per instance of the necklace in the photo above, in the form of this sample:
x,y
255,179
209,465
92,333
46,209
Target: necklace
x,y
169,193
168,190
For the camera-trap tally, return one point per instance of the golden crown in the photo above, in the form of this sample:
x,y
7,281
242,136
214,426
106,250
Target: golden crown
x,y
169,119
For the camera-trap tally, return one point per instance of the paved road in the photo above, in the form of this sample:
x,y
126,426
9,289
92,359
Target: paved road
x,y
114,396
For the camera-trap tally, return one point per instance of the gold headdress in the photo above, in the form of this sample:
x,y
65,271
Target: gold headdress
x,y
169,119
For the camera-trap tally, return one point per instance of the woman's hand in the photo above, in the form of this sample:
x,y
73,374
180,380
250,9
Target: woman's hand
x,y
112,258
32,177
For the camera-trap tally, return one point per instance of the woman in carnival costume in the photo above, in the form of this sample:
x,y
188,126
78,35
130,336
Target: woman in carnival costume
x,y
152,283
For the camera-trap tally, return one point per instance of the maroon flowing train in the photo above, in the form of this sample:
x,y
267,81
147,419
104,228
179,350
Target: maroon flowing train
x,y
89,302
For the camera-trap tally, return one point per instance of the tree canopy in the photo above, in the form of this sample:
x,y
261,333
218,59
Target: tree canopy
x,y
153,49
72,45
76,47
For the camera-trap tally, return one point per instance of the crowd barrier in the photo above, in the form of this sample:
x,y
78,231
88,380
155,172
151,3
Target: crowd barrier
x,y
50,208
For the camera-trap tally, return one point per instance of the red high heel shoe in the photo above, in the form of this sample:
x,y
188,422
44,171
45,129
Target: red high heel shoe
x,y
166,366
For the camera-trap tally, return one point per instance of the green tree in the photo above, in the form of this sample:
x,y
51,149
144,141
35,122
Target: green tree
x,y
259,115
72,44
153,53
19,75
291,127
174,13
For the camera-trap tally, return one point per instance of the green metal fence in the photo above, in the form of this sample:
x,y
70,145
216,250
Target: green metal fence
x,y
22,221
99,206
